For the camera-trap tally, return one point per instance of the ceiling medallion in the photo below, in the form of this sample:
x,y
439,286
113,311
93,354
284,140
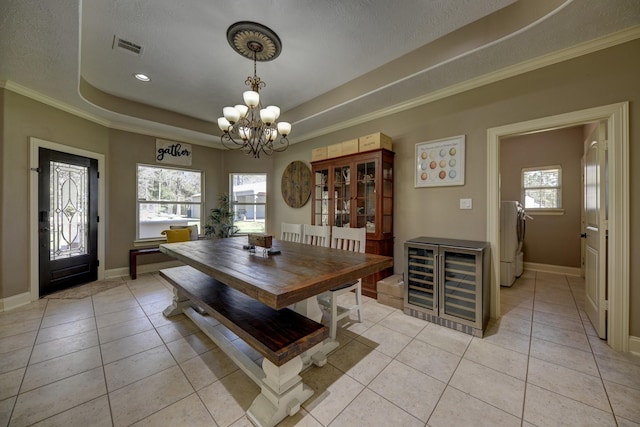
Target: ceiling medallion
x,y
250,127
250,38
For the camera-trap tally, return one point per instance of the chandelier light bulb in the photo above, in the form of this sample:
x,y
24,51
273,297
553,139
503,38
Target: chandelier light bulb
x,y
251,98
224,124
242,109
276,111
268,116
284,128
231,114
245,133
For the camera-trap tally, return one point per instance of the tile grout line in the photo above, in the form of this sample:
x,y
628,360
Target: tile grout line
x,y
196,392
33,345
526,372
606,392
104,373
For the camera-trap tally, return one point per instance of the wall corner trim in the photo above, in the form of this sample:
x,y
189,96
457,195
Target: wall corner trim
x,y
634,345
15,301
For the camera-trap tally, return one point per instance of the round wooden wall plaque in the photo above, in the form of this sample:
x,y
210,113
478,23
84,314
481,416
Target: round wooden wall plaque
x,y
296,184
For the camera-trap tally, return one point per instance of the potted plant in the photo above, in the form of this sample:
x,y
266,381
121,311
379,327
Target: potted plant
x,y
220,223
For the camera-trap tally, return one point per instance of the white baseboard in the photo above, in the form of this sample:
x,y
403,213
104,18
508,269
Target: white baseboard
x,y
15,301
634,345
142,268
548,268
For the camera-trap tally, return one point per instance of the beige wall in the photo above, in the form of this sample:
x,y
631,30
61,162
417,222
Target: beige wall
x,y
601,78
24,118
126,150
549,239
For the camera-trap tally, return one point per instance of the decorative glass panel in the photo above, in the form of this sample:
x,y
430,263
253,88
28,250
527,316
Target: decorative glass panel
x,y
69,208
321,198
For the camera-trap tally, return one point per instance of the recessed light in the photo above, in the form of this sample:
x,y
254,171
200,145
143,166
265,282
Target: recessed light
x,y
142,77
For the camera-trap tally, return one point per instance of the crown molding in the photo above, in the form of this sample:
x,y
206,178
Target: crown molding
x,y
572,52
78,112
581,49
52,102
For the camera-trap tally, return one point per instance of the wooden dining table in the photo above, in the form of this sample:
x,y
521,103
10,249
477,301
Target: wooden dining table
x,y
292,277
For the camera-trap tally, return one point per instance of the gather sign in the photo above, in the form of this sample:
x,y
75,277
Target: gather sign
x,y
174,153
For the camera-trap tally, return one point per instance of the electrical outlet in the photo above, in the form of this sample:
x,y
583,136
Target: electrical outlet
x,y
466,204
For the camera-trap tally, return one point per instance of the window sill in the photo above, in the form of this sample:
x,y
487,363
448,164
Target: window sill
x,y
534,212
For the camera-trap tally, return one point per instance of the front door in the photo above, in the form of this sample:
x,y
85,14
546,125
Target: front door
x,y
595,229
67,220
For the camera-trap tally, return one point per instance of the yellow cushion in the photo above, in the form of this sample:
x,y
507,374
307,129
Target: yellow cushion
x,y
177,235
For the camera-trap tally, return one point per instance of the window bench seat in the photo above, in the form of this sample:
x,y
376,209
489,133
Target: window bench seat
x,y
133,259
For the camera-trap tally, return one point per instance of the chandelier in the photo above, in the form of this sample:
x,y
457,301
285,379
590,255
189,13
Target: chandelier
x,y
250,127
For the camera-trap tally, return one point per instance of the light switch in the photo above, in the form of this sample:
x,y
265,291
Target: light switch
x,y
466,203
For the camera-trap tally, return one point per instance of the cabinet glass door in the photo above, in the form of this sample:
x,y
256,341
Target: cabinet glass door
x,y
461,284
321,197
366,197
387,197
421,275
342,192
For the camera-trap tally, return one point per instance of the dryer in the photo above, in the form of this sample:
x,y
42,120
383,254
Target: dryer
x,y
512,230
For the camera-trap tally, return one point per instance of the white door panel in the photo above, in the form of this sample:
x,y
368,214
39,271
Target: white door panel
x,y
595,230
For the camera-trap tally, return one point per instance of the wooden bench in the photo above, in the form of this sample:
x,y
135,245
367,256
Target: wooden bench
x,y
283,337
133,259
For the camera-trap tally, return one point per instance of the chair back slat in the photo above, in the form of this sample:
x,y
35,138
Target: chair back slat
x,y
291,232
317,235
349,239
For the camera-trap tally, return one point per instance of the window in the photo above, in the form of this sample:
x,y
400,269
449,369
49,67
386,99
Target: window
x,y
166,197
249,201
542,187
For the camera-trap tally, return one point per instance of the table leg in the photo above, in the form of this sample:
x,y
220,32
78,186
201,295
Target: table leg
x,y
282,393
309,308
178,304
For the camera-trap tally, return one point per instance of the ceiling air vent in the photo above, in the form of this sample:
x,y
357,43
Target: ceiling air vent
x,y
127,46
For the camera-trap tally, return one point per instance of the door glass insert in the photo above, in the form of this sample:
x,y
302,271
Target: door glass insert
x,y
421,277
460,285
69,201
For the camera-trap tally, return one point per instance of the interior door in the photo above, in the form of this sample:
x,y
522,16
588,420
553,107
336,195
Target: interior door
x,y
595,229
67,220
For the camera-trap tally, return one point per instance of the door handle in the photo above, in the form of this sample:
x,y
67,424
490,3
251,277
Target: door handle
x,y
43,229
583,235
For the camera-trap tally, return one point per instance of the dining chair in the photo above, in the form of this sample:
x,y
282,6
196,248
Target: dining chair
x,y
348,239
317,235
291,232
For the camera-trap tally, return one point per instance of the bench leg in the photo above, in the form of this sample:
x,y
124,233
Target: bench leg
x,y
178,304
282,393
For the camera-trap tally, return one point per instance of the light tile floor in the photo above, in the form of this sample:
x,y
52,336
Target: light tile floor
x,y
114,360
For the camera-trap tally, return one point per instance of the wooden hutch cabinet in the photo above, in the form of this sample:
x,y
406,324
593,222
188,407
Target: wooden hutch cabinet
x,y
357,191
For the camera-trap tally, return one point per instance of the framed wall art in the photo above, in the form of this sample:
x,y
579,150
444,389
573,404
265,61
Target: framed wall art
x,y
440,163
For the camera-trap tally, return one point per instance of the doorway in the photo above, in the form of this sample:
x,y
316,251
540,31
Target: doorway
x,y
37,220
616,117
67,220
